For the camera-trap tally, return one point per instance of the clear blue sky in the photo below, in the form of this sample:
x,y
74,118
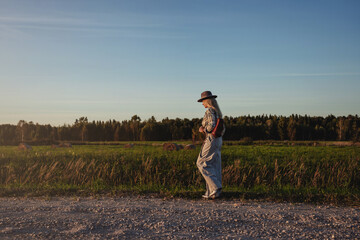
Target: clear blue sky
x,y
60,60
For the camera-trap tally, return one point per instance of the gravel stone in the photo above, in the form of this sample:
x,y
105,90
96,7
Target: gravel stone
x,y
155,218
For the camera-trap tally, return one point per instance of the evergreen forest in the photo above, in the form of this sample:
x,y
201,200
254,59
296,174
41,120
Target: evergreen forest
x,y
265,127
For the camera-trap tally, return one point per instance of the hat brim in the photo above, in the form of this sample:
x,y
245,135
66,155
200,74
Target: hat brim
x,y
202,99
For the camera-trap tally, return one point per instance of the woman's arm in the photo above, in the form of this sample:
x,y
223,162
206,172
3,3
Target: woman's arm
x,y
210,120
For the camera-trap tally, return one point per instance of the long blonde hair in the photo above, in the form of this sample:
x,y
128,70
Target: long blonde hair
x,y
212,103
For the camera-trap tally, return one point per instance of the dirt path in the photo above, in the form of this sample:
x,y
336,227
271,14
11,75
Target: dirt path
x,y
144,218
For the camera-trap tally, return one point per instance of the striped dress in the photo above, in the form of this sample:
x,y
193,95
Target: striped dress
x,y
209,159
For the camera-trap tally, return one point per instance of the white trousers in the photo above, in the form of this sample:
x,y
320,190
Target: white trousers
x,y
209,163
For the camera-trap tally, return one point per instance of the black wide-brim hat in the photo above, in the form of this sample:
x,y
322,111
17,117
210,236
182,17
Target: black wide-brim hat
x,y
206,95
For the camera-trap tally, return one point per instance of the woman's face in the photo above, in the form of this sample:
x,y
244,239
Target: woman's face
x,y
205,104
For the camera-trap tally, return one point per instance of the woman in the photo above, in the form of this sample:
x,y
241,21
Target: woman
x,y
209,160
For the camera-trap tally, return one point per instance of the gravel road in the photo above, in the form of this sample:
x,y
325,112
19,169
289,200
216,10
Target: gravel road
x,y
154,218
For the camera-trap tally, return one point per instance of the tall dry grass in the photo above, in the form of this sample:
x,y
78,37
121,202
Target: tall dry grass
x,y
316,169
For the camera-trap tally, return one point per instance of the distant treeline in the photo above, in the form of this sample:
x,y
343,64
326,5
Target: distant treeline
x,y
263,127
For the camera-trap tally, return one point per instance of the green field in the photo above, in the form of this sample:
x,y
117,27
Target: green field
x,y
291,173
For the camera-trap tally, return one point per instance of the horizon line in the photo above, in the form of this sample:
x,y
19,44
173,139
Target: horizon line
x,y
144,120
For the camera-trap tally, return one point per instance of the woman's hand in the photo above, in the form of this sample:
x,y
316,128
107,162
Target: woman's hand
x,y
201,129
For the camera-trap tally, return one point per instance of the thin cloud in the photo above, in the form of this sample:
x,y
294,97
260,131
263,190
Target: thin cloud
x,y
124,31
316,74
38,20
71,22
10,32
15,25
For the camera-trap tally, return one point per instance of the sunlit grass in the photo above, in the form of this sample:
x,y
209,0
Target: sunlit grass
x,y
295,173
